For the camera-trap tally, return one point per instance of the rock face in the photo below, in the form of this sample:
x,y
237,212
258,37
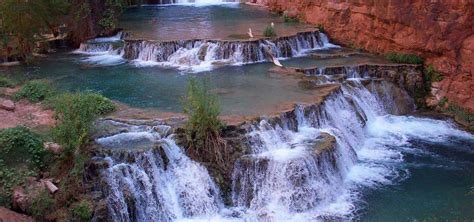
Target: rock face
x,y
440,31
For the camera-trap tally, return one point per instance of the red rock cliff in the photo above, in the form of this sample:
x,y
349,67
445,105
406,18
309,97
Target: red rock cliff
x,y
440,31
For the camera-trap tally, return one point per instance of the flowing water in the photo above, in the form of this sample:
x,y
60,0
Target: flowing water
x,y
353,157
376,158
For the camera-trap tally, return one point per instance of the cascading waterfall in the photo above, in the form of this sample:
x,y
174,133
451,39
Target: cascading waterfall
x,y
156,182
199,55
191,2
308,164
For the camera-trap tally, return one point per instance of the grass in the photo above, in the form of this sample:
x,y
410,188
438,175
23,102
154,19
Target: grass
x,y
404,58
6,82
269,31
41,205
82,211
290,19
203,126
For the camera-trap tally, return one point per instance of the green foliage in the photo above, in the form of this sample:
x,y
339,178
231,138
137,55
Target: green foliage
x,y
82,211
10,178
290,19
76,113
321,28
41,205
443,102
203,110
108,20
23,22
432,75
6,82
34,91
404,58
18,144
269,31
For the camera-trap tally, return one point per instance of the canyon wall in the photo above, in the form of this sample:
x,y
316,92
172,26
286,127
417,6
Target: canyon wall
x,y
442,32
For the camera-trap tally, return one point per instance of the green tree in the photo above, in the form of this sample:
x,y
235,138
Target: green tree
x,y
22,23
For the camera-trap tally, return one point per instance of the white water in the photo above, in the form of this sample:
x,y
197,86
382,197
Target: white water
x,y
203,55
159,188
285,180
197,3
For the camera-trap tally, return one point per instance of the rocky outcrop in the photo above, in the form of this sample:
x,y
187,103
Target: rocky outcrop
x,y
440,31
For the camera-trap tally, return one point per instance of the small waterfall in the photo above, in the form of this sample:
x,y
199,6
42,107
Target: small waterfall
x,y
148,177
299,166
200,55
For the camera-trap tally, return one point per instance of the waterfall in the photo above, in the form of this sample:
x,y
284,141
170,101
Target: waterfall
x,y
148,177
307,164
299,166
201,55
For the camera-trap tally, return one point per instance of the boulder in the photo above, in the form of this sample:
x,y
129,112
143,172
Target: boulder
x,y
7,105
7,215
53,147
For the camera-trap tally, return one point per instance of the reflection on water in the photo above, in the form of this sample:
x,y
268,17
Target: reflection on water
x,y
210,22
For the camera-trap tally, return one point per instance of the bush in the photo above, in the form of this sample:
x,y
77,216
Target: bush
x,y
404,58
18,144
10,178
203,126
76,113
41,205
432,75
269,31
290,19
6,82
34,91
82,211
321,28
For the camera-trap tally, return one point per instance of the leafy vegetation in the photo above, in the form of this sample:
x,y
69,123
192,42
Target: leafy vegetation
x,y
203,126
6,82
34,91
269,31
82,211
20,144
41,205
290,19
76,113
404,58
432,75
24,22
321,28
9,178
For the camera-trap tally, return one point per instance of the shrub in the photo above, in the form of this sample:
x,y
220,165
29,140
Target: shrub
x,y
20,143
41,205
6,82
34,91
82,211
76,113
10,178
203,126
321,28
290,19
269,31
404,58
432,74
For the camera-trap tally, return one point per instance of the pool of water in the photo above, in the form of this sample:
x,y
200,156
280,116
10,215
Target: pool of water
x,y
431,181
242,90
226,21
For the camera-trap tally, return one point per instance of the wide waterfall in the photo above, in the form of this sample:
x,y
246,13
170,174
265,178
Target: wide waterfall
x,y
305,165
191,2
200,55
155,182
